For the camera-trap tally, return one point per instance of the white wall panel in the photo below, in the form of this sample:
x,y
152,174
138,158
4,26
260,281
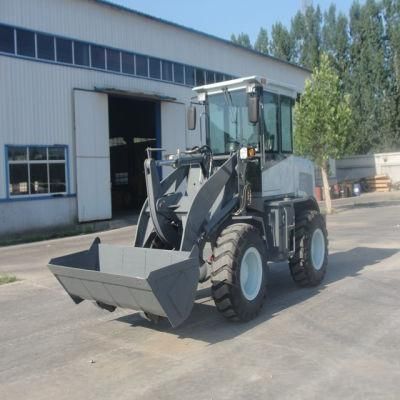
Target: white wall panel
x,y
24,216
173,126
92,156
173,130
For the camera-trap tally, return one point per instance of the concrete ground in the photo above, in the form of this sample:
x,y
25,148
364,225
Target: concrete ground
x,y
374,199
340,340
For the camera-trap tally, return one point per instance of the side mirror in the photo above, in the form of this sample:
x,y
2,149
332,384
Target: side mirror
x,y
191,117
253,103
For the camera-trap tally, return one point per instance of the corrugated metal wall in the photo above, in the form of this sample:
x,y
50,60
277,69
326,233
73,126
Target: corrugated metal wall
x,y
94,22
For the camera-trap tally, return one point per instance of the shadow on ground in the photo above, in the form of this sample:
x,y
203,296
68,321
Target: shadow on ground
x,y
206,324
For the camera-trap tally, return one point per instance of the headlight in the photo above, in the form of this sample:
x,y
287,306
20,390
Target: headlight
x,y
247,152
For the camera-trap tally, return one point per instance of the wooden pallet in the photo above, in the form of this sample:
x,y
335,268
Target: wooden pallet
x,y
378,183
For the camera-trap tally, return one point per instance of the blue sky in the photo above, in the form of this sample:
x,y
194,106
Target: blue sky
x,y
223,17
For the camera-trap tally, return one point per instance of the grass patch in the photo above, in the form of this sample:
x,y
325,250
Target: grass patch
x,y
7,279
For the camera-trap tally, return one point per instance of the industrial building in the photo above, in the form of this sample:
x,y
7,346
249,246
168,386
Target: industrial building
x,y
85,87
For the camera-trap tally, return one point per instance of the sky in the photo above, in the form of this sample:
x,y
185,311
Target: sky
x,y
224,17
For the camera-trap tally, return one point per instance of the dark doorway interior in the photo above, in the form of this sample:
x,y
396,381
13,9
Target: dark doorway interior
x,y
132,130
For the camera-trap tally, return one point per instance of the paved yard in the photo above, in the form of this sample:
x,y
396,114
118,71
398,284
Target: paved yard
x,y
340,340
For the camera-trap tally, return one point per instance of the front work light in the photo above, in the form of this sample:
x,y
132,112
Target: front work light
x,y
247,152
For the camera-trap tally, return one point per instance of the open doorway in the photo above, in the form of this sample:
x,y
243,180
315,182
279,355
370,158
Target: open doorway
x,y
133,125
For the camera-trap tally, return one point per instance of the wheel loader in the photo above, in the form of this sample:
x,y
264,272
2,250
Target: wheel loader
x,y
228,208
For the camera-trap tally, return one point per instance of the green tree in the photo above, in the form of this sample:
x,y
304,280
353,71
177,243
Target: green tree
x,y
322,118
368,79
392,51
242,39
282,44
336,41
306,34
262,42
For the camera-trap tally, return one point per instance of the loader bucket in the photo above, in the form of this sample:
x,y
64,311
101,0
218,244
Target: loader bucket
x,y
160,282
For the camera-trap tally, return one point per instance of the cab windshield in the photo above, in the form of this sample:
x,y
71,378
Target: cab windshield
x,y
229,127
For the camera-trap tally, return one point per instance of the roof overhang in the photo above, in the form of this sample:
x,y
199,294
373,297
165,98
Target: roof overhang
x,y
243,83
138,95
232,84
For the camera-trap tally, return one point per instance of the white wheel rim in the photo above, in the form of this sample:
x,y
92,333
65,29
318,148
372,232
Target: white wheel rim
x,y
251,272
318,249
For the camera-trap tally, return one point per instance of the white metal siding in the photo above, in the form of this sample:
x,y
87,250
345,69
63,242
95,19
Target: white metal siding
x,y
92,156
22,216
36,103
36,98
94,22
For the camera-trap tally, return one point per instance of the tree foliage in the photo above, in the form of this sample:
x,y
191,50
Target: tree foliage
x,y
322,116
322,120
262,42
363,49
282,43
242,39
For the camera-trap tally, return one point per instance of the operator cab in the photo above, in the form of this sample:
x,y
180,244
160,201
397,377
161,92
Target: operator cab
x,y
248,112
255,116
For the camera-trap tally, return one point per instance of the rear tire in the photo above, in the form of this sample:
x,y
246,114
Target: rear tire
x,y
239,272
308,265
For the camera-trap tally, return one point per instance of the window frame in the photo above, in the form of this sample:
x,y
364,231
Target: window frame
x,y
59,42
278,125
110,53
181,67
19,48
28,162
124,58
39,56
153,62
14,44
164,65
79,48
101,49
291,101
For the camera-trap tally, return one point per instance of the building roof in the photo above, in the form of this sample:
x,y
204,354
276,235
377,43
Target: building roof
x,y
195,31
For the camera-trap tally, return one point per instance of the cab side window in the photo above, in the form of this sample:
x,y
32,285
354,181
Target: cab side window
x,y
286,124
270,121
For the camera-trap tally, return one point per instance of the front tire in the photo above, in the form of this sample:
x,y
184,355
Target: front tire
x,y
239,272
308,265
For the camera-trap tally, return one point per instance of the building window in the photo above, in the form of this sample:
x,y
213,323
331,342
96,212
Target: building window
x,y
45,47
286,124
178,73
113,60
219,77
155,68
210,77
7,39
166,70
142,68
98,57
189,76
25,43
64,50
200,77
81,54
48,47
36,170
128,63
